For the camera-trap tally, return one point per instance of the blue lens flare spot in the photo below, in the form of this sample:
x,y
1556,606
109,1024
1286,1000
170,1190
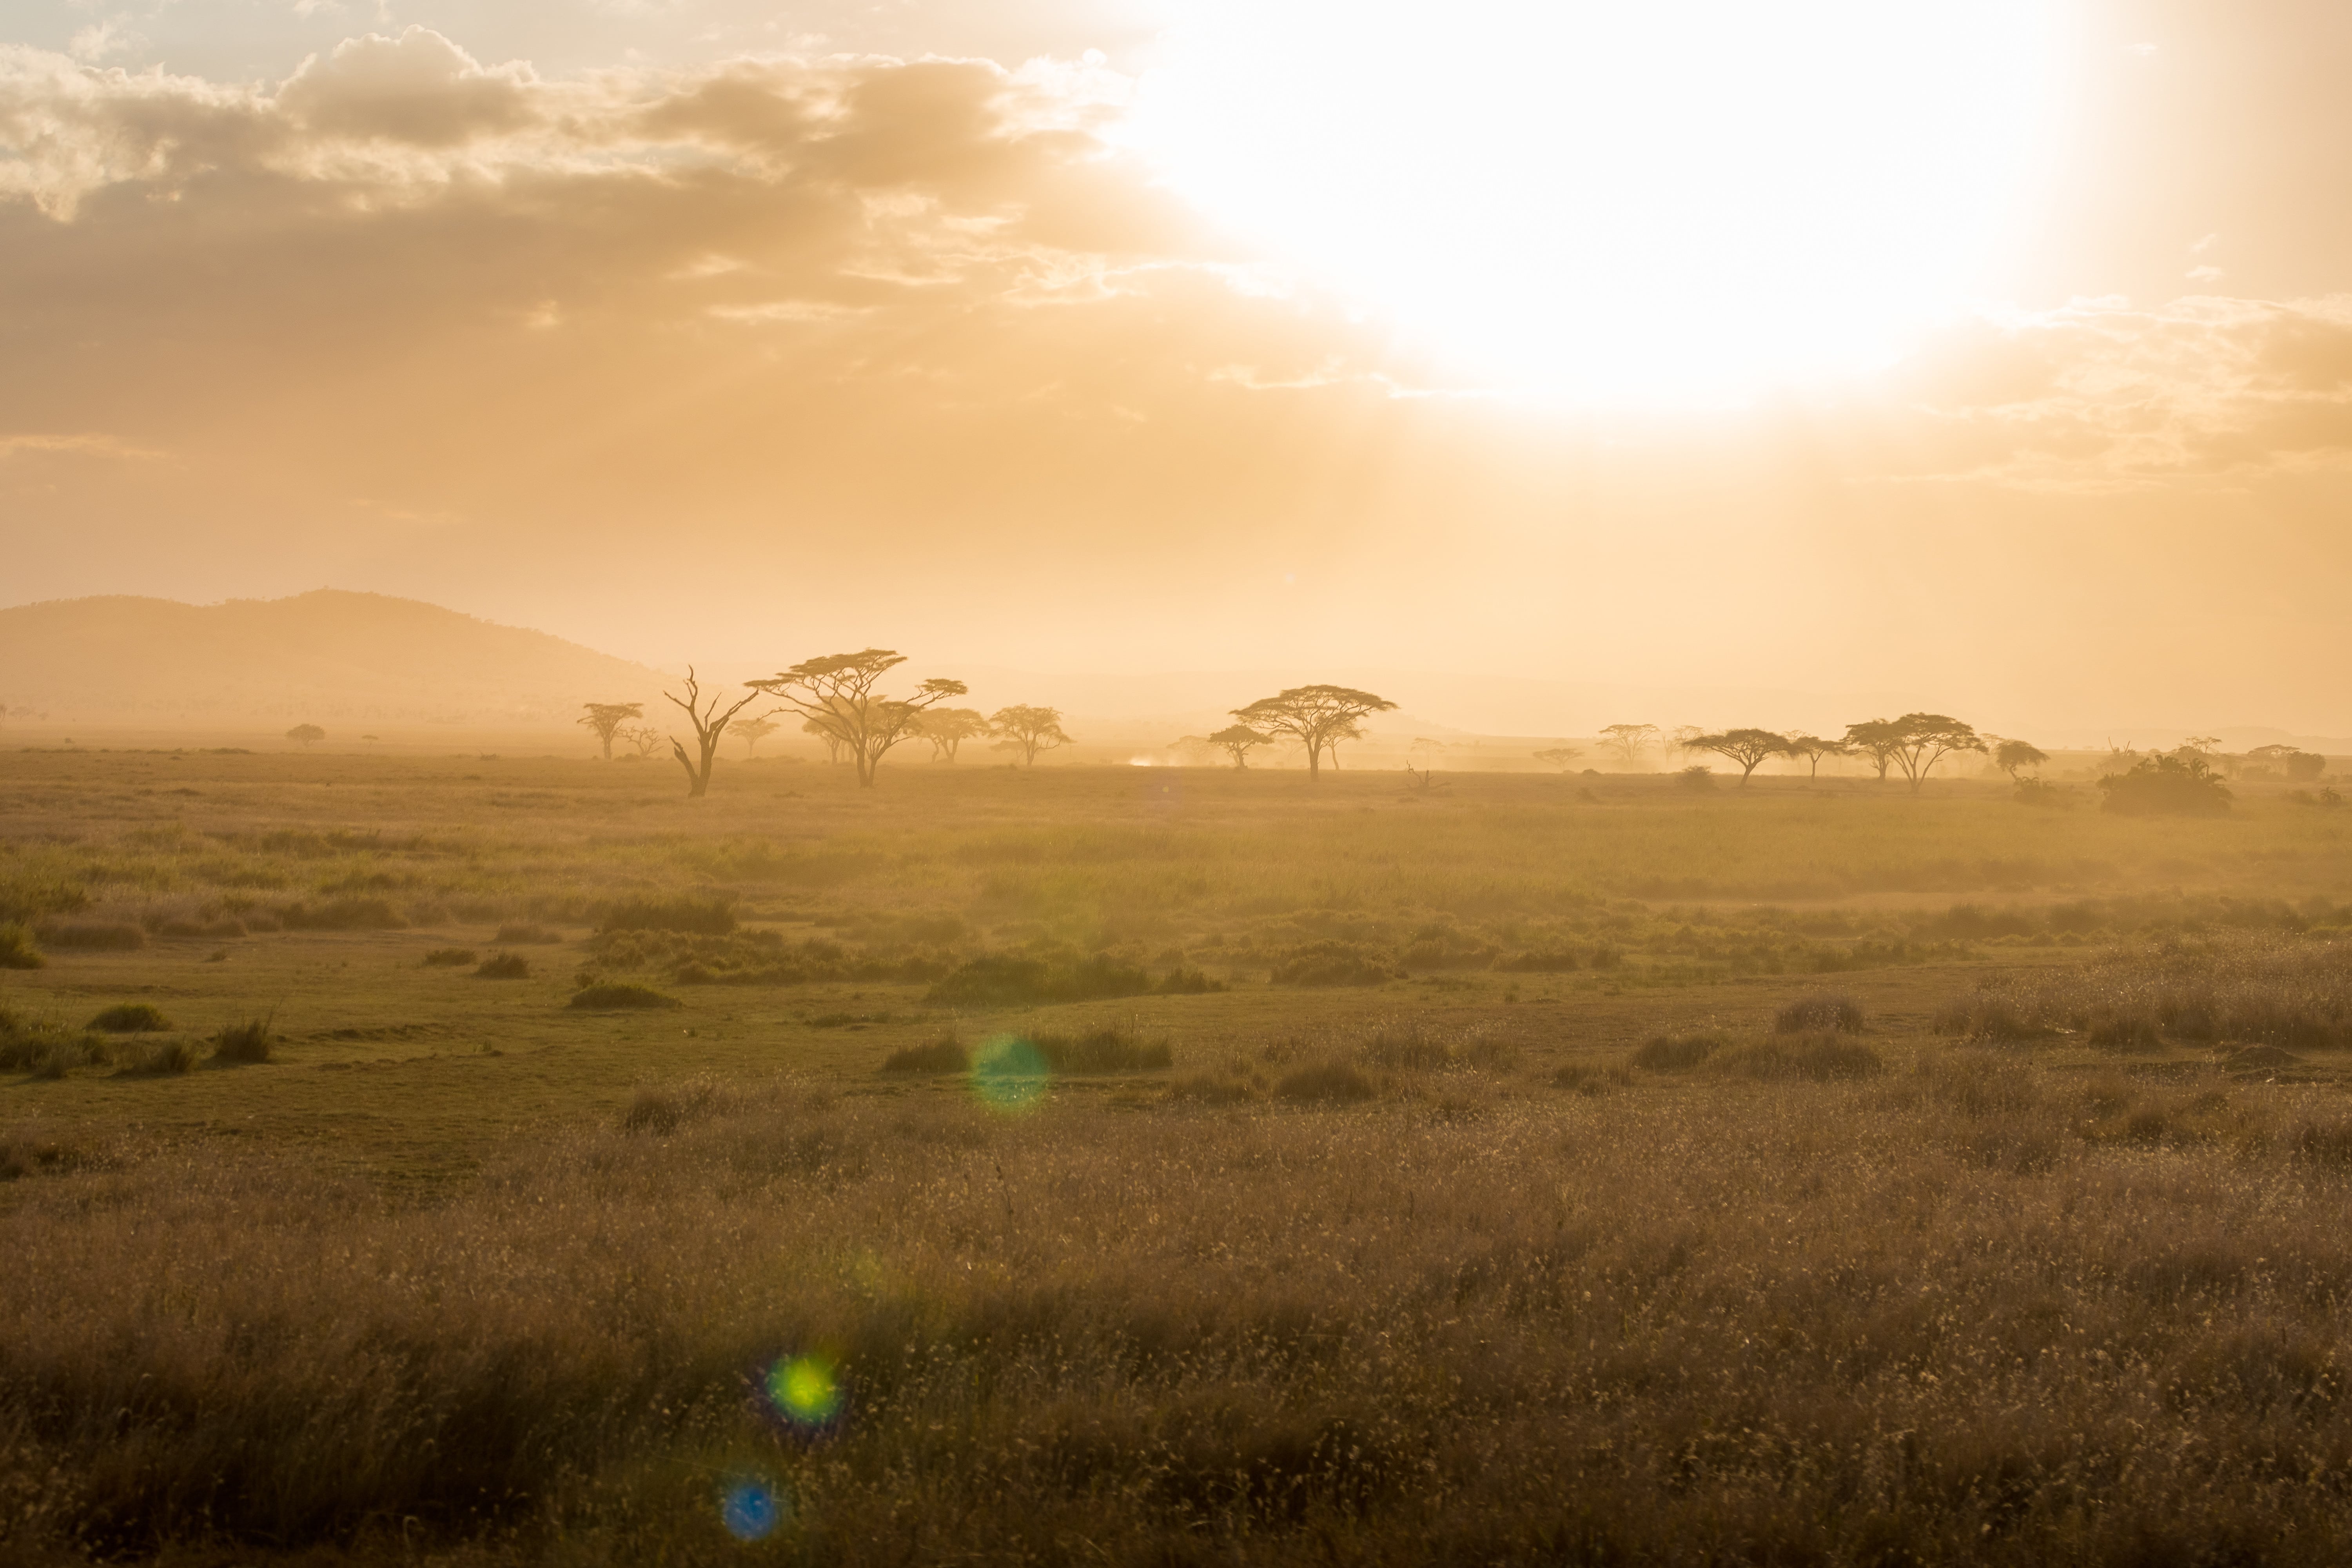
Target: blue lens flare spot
x,y
806,1389
751,1510
1010,1074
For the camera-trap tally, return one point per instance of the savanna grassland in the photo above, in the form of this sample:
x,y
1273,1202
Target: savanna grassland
x,y
496,1159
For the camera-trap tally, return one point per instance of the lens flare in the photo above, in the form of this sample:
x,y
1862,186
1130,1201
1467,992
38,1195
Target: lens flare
x,y
751,1510
806,1389
1010,1074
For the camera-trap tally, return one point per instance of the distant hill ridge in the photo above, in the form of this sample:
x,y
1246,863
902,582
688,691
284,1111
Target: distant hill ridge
x,y
320,657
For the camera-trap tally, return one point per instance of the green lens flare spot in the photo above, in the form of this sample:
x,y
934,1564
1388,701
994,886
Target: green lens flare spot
x,y
1010,1074
806,1389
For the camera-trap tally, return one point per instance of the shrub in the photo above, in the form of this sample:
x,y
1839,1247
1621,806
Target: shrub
x,y
450,957
1103,1051
1697,776
2169,784
168,1058
504,966
1590,1080
248,1042
45,1049
1675,1053
92,936
528,935
1326,1083
17,949
2042,793
705,917
130,1019
1545,960
944,1055
615,995
1182,981
1818,1058
1000,980
1987,1015
664,1109
1819,1011
341,914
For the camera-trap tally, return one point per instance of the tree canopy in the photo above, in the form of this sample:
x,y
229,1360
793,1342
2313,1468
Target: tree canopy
x,y
1560,757
1626,742
1913,744
2011,755
1027,730
2167,784
306,735
838,695
1746,747
1318,717
948,728
1237,740
1814,748
603,720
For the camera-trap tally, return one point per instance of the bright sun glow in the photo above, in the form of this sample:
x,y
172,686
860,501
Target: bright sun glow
x,y
1673,199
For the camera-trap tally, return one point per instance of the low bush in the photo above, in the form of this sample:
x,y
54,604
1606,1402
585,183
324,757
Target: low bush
x,y
91,936
1697,776
664,1109
248,1043
130,1019
1101,1051
2042,793
1819,1011
46,1049
615,995
2167,784
504,966
182,927
703,917
450,957
1816,1058
1546,961
1327,1083
1182,981
166,1058
527,935
18,950
1677,1053
945,1055
341,914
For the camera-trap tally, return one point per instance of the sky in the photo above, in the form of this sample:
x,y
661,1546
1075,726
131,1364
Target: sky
x,y
1996,353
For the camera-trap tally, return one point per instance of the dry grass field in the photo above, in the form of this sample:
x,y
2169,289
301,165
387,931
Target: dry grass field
x,y
501,1160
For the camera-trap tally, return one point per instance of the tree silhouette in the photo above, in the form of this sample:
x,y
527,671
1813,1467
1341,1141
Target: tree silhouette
x,y
836,693
2011,755
1917,741
1682,739
830,736
1237,740
1812,748
1626,741
751,730
1027,730
1318,717
1877,739
604,720
646,739
1746,747
1559,757
710,721
947,728
306,735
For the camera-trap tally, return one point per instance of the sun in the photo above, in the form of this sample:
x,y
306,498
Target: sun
x,y
1673,199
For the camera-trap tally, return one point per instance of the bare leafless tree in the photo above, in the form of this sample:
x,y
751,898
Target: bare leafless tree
x,y
710,721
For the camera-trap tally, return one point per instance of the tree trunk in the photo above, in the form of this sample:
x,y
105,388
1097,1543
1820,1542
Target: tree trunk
x,y
1314,760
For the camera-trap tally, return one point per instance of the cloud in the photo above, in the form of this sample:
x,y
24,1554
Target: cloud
x,y
418,88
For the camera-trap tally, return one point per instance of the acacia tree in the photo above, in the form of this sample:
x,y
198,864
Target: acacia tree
x,y
1560,756
836,694
750,731
1028,731
947,728
2011,755
603,720
1318,717
1626,741
1812,748
1921,739
1746,747
827,734
1682,739
710,721
1237,740
306,735
1877,739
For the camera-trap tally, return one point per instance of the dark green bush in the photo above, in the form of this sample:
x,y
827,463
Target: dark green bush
x,y
130,1019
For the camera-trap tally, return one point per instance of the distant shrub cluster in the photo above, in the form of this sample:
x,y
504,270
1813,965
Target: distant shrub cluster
x,y
699,916
613,997
2171,784
2251,988
1004,980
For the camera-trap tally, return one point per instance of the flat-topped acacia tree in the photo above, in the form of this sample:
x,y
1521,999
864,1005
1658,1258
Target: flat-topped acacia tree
x,y
836,694
1027,730
1746,747
1318,717
603,720
948,728
1914,742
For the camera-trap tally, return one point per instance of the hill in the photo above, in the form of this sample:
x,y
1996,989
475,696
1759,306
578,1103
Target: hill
x,y
327,656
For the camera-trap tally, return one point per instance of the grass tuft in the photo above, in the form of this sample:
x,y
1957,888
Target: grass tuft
x,y
504,966
130,1019
614,996
1822,1011
450,957
248,1043
1677,1053
944,1055
17,949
